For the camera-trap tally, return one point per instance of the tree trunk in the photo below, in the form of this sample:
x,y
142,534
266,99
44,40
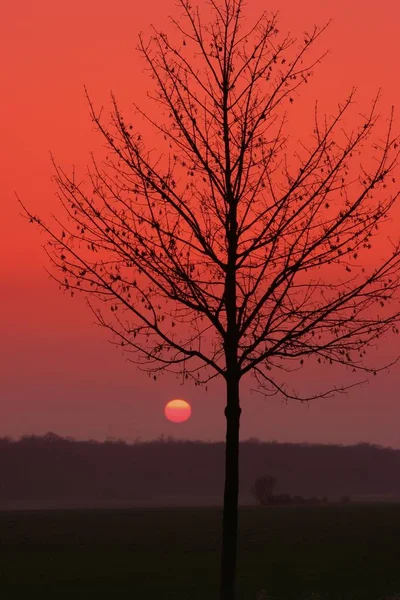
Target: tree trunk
x,y
230,511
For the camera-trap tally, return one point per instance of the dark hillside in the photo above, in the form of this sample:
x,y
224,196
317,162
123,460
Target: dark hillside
x,y
52,472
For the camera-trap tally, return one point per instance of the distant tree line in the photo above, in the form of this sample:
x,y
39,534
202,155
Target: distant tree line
x,y
54,472
263,492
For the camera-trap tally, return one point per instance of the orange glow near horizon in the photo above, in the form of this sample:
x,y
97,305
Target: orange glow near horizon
x,y
178,411
58,372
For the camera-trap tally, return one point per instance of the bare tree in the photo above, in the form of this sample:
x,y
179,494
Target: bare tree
x,y
228,248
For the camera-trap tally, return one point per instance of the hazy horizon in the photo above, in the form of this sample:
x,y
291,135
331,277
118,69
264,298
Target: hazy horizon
x,y
178,439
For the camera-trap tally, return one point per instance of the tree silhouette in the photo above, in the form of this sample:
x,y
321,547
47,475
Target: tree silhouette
x,y
263,488
227,248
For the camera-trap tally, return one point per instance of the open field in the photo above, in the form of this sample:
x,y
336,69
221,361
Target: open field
x,y
340,552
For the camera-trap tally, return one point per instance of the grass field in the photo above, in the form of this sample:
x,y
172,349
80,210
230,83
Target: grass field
x,y
338,552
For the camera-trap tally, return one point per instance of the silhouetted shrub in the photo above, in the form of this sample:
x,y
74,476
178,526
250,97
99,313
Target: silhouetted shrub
x,y
262,489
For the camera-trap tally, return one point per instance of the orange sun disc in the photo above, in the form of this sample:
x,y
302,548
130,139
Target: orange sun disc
x,y
178,411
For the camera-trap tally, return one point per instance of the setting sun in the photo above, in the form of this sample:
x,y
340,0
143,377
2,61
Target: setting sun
x,y
178,411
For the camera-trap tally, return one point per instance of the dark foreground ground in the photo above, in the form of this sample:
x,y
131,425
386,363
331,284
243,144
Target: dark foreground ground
x,y
338,552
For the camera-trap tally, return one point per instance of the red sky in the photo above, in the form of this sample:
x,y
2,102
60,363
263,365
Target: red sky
x,y
57,370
